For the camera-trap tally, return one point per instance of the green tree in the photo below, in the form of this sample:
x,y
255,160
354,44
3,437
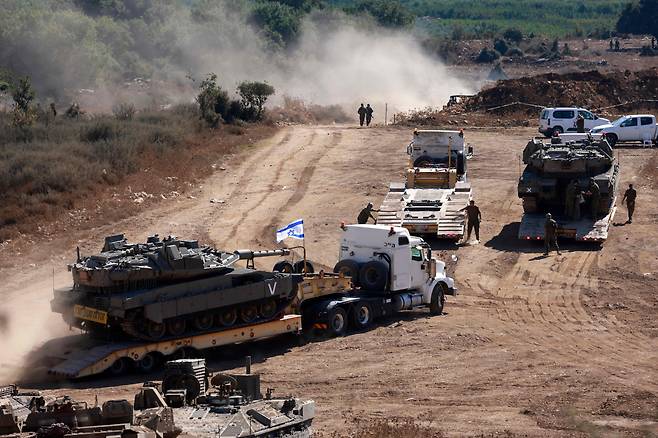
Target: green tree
x,y
639,18
254,95
212,100
280,23
388,13
23,113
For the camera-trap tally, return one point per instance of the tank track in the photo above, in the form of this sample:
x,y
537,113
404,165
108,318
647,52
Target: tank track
x,y
131,329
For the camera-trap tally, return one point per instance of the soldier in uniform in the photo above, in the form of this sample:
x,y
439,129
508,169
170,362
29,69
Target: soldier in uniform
x,y
594,193
366,214
362,114
629,196
369,112
570,199
550,234
474,217
580,124
578,201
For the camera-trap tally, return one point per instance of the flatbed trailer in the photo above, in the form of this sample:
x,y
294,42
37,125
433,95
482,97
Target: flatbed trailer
x,y
427,210
584,230
324,302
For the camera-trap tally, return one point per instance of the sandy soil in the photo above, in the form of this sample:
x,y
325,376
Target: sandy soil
x,y
557,346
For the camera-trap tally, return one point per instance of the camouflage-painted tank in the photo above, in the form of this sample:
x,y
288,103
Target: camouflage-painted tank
x,y
556,173
167,288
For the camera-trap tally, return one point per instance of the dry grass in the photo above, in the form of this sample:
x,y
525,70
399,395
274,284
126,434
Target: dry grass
x,y
46,167
297,111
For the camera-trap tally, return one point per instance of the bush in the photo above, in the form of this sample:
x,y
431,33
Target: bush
x,y
639,18
513,35
515,52
254,95
487,55
500,46
124,111
101,130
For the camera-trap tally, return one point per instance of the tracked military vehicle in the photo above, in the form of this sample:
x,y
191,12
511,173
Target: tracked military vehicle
x,y
574,181
169,288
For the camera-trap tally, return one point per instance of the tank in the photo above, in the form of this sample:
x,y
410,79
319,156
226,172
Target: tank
x,y
557,173
231,407
168,288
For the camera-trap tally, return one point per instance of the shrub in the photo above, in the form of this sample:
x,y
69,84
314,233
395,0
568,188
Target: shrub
x,y
500,46
513,35
101,130
124,111
487,55
254,95
515,52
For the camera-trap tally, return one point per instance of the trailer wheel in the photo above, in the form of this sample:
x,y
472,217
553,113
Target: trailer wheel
x,y
119,367
438,299
337,321
299,267
148,363
283,266
349,268
423,161
374,275
361,316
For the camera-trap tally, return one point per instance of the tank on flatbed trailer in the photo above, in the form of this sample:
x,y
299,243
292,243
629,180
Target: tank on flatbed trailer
x,y
575,182
170,288
436,187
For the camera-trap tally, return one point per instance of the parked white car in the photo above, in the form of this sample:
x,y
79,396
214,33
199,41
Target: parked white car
x,y
632,128
552,120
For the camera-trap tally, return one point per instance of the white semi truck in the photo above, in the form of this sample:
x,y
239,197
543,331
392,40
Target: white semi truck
x,y
436,189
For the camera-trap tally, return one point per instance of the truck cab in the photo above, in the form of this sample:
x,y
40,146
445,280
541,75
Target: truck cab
x,y
389,260
438,148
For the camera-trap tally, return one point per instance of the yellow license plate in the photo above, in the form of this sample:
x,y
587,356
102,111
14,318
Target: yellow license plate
x,y
90,314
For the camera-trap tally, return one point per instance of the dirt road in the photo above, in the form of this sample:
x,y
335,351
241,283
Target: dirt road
x,y
559,346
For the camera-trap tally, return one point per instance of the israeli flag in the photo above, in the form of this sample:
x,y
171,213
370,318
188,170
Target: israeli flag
x,y
294,229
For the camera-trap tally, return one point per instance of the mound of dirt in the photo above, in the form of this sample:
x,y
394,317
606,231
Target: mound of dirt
x,y
591,89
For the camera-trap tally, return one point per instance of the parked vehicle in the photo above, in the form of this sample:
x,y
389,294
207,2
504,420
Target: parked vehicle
x,y
632,128
559,120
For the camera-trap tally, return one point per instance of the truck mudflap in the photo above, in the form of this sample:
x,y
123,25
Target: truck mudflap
x,y
584,230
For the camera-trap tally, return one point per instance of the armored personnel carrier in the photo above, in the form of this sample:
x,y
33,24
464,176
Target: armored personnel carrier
x,y
574,181
168,288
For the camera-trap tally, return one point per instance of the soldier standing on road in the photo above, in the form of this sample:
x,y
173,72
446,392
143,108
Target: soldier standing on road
x,y
362,114
580,123
629,196
616,45
550,234
594,193
369,112
474,217
612,45
366,214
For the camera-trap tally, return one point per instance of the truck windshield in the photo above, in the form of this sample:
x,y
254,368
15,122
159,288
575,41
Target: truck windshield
x,y
619,121
416,254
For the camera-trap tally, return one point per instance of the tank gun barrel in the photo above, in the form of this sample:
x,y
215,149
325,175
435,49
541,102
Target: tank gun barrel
x,y
247,254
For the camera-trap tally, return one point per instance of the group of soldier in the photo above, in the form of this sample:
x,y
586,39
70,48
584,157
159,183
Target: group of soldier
x,y
365,114
575,198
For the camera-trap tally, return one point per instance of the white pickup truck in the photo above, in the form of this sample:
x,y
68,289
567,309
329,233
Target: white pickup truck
x,y
633,128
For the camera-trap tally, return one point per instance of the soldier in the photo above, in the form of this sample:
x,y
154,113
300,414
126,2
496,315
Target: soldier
x,y
362,114
53,110
369,112
570,199
474,217
550,234
629,196
616,45
611,45
578,201
366,214
594,193
580,123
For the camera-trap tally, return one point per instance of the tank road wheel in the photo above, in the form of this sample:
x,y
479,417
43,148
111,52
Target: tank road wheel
x,y
155,330
267,308
227,317
148,363
249,313
361,316
438,299
203,321
176,326
337,321
348,268
283,266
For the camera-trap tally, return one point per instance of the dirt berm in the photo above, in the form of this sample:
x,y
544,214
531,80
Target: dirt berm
x,y
590,89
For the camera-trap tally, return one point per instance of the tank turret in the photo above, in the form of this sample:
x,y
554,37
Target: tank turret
x,y
166,288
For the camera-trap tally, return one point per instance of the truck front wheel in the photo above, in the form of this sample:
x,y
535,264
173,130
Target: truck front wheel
x,y
337,321
438,299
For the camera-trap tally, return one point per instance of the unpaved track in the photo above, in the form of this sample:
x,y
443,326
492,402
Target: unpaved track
x,y
559,346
